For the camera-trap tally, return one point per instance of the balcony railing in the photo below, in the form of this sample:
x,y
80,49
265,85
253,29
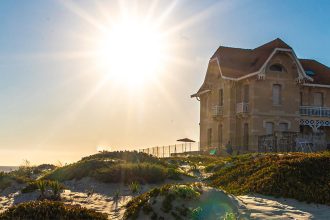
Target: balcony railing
x,y
314,111
242,107
217,110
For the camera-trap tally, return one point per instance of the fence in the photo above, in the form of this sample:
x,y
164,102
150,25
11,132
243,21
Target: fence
x,y
171,150
291,142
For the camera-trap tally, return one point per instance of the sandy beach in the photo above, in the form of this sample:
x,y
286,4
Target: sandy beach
x,y
101,197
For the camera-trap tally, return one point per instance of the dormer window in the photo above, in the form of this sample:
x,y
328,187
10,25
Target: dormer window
x,y
277,68
310,72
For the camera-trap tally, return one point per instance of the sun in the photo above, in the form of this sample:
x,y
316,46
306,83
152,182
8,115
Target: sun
x,y
132,52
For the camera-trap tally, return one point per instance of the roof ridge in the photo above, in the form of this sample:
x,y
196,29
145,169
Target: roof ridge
x,y
274,43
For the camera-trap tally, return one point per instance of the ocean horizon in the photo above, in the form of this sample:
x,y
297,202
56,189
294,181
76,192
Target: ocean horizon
x,y
8,168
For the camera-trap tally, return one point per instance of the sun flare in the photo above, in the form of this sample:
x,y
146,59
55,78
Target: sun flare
x,y
132,52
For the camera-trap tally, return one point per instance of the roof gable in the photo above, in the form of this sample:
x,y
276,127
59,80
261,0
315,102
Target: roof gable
x,y
237,62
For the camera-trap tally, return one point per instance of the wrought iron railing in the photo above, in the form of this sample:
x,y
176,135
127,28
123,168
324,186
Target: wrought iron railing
x,y
242,107
314,111
217,110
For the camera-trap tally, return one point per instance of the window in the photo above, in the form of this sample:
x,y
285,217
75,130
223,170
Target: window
x,y
246,94
269,127
277,68
318,99
246,136
205,104
221,97
301,99
220,135
209,137
310,72
284,126
276,94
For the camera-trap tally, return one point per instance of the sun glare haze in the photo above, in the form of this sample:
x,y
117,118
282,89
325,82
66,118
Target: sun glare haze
x,y
132,52
77,75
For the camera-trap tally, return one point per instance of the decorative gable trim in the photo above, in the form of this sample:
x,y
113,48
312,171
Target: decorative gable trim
x,y
261,72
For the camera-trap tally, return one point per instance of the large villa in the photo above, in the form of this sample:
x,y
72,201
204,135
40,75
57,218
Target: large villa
x,y
264,99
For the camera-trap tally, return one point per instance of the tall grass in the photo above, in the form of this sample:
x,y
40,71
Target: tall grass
x,y
302,176
132,172
77,170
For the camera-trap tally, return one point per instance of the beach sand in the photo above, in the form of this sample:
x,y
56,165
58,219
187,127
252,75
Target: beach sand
x,y
267,207
101,197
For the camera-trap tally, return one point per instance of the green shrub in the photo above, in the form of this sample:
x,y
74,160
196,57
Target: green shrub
x,y
134,187
34,185
7,179
131,172
77,170
50,210
170,192
173,174
301,176
126,156
185,191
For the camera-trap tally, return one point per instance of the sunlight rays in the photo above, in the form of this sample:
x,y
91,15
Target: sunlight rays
x,y
136,47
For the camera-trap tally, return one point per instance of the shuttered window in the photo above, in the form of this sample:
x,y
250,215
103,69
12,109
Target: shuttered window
x,y
221,97
284,126
220,135
276,94
246,136
269,127
318,99
246,94
209,137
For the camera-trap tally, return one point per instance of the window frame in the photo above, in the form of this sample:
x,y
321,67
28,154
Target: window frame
x,y
283,123
321,97
277,66
279,86
266,127
209,137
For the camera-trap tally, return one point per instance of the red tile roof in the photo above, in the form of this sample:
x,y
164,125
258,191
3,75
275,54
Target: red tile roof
x,y
321,71
238,62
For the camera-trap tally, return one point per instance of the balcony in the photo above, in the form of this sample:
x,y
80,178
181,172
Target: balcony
x,y
217,110
242,107
314,111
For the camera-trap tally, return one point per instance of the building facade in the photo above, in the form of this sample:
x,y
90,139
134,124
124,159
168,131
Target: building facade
x,y
264,99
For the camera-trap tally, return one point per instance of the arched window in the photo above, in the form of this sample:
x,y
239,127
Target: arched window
x,y
277,68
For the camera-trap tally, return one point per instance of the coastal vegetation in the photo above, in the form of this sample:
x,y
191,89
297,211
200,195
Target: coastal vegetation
x,y
50,210
301,176
167,196
112,167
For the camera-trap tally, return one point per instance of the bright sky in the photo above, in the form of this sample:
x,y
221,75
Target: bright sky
x,y
77,75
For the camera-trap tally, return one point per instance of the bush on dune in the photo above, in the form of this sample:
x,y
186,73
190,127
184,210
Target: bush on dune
x,y
132,172
126,156
301,176
50,210
34,185
7,179
79,170
169,193
116,167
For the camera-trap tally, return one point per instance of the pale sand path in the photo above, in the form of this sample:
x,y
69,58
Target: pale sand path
x,y
266,207
100,196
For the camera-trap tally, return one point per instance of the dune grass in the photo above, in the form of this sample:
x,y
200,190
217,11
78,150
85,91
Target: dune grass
x,y
126,156
50,210
301,176
114,167
7,179
132,172
169,193
78,170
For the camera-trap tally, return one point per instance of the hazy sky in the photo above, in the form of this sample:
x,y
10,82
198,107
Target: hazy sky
x,y
55,104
